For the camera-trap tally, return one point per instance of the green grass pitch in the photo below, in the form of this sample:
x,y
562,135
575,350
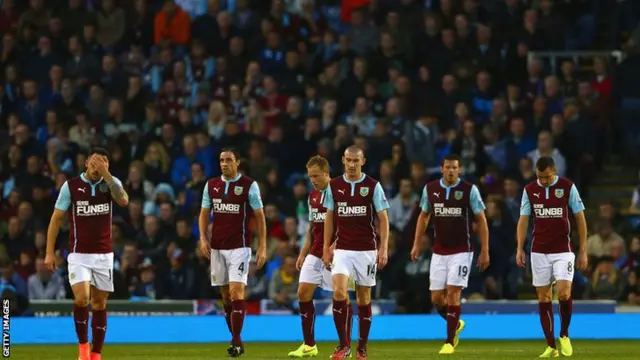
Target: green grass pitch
x,y
489,350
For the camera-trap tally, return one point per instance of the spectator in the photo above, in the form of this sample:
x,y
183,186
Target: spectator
x,y
401,206
283,286
545,148
179,282
171,25
43,285
257,284
600,243
607,282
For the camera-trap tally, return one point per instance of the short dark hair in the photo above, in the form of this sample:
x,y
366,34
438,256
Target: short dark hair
x,y
235,152
99,151
452,157
545,163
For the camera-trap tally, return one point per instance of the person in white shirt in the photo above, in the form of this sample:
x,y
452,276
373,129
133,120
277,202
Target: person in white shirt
x,y
545,148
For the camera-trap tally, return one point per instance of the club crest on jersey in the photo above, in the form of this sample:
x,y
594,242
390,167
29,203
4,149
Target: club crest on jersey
x,y
103,187
364,191
458,195
559,193
237,190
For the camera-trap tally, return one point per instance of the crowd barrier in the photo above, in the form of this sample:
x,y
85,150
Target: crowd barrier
x,y
286,328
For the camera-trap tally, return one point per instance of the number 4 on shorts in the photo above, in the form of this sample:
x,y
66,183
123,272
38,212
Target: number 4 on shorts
x,y
241,268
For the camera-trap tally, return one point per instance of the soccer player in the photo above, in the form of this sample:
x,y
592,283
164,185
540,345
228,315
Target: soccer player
x,y
230,198
450,201
90,197
354,199
549,200
313,273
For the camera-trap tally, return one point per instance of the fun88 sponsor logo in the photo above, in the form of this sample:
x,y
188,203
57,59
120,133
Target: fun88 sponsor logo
x,y
345,210
224,208
542,212
84,208
446,211
317,216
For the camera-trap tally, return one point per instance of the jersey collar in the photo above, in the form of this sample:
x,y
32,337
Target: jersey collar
x,y
555,181
449,187
236,178
356,181
84,178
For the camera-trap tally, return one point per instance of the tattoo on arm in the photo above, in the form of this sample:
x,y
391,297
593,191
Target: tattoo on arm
x,y
118,193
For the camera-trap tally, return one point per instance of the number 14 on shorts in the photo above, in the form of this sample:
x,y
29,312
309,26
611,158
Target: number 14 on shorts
x,y
372,269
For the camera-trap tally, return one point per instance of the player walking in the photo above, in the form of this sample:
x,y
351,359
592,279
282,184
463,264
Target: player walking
x,y
228,198
354,199
549,200
449,201
90,196
313,273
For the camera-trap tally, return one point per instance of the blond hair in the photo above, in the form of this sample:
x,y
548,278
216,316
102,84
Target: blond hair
x,y
320,162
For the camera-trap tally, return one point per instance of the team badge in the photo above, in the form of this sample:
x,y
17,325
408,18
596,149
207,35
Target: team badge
x,y
458,195
103,187
364,191
213,278
72,276
237,190
559,193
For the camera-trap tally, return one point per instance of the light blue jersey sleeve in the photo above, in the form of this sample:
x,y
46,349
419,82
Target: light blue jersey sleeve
x,y
309,207
575,202
117,181
525,205
255,200
64,198
424,201
475,200
379,198
206,199
328,199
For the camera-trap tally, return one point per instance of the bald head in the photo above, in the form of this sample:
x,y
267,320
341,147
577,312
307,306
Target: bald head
x,y
353,150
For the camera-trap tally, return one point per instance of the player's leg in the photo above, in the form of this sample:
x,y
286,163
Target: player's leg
x,y
238,269
365,269
101,286
541,271
79,279
437,282
310,277
341,268
98,321
563,271
220,277
458,270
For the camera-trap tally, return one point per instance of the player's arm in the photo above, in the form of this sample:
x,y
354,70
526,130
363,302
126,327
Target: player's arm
x,y
328,221
423,218
577,207
205,211
307,243
255,201
57,218
118,194
381,205
523,227
478,208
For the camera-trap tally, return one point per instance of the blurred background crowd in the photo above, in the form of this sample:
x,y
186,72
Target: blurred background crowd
x,y
163,85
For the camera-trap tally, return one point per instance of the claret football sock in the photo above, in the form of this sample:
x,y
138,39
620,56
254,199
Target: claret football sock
x,y
453,318
308,315
546,320
81,317
227,316
566,310
349,323
237,320
340,319
98,330
364,325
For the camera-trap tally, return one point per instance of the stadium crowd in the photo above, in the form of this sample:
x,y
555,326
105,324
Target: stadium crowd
x,y
164,85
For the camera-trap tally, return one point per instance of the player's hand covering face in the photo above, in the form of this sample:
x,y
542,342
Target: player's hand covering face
x,y
97,166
